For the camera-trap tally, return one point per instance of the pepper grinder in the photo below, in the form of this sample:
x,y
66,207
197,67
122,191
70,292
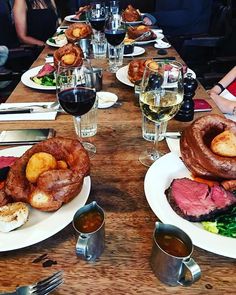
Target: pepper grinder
x,y
186,112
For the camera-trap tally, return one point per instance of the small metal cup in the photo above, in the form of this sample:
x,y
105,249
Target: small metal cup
x,y
85,45
94,75
90,245
171,269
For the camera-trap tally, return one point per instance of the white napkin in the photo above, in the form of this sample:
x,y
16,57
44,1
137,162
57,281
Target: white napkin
x,y
26,116
161,44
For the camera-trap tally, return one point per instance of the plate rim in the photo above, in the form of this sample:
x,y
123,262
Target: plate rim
x,y
67,211
216,243
54,44
68,19
25,79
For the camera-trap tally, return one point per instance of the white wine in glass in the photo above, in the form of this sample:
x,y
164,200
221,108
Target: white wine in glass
x,y
160,98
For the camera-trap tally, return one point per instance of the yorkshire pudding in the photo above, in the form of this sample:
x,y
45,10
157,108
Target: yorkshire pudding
x,y
135,32
78,31
68,55
136,69
131,14
55,186
195,146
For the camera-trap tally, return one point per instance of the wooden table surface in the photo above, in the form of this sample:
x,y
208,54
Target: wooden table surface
x,y
118,186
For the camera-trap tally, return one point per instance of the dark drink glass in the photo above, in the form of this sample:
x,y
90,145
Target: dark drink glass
x,y
76,95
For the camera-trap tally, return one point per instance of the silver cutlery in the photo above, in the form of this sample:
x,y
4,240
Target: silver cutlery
x,y
173,135
43,287
34,108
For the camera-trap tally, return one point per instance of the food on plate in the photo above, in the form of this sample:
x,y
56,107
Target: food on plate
x,y
135,32
196,152
39,163
224,224
136,68
45,76
60,39
68,55
13,215
131,14
5,163
81,13
197,201
224,144
78,31
53,187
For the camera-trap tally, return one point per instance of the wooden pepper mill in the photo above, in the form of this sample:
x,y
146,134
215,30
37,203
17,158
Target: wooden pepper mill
x,y
186,112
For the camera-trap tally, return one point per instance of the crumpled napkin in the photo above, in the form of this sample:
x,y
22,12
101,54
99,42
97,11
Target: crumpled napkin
x,y
161,44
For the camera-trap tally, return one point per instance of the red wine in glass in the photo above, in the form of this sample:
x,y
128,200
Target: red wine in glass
x,y
97,23
115,37
77,101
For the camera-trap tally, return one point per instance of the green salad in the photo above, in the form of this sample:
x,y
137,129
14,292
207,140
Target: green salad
x,y
47,80
224,224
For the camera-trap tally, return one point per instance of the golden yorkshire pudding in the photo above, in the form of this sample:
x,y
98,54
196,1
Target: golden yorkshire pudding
x,y
196,152
49,174
78,31
131,14
136,69
135,32
68,55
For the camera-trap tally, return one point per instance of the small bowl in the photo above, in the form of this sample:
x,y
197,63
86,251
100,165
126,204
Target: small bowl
x,y
128,48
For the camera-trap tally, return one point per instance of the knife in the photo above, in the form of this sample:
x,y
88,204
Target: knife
x,y
28,111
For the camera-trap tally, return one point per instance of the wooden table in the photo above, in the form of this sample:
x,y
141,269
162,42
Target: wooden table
x,y
117,185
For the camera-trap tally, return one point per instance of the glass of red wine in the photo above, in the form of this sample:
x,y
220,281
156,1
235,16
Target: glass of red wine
x,y
97,16
76,95
115,33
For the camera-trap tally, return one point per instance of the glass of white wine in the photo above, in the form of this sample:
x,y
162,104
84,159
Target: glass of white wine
x,y
160,99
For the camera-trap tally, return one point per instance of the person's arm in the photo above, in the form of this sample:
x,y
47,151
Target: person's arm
x,y
20,18
224,82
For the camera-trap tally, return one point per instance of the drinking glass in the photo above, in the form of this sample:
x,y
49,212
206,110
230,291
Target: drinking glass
x,y
115,33
114,7
160,98
76,95
97,16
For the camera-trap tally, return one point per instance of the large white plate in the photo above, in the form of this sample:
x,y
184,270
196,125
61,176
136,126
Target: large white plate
x,y
137,51
54,44
122,75
25,79
158,178
159,37
69,18
41,225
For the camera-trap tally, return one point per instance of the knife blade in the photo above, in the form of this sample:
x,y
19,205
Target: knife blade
x,y
28,111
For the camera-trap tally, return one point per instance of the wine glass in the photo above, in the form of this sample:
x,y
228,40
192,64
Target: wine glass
x,y
97,16
76,94
160,98
115,33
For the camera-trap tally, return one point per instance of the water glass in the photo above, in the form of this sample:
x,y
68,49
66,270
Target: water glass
x,y
99,44
115,54
114,7
89,121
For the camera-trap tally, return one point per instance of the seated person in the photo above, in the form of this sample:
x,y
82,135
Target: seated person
x,y
35,20
224,94
181,17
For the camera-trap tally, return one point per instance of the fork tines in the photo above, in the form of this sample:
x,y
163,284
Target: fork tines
x,y
49,284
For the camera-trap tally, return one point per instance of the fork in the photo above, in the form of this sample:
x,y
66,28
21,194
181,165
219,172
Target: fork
x,y
54,105
43,287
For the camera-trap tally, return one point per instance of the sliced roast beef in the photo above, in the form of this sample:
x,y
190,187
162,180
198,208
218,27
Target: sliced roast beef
x,y
6,161
46,70
196,201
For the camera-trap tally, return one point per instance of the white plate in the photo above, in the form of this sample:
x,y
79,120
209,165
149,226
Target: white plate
x,y
54,44
137,51
161,44
25,79
41,225
69,19
122,75
158,34
106,99
158,178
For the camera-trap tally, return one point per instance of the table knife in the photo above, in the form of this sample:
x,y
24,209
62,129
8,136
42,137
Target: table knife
x,y
28,111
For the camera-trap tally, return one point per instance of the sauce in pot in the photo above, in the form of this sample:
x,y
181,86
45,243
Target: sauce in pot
x,y
88,222
172,245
